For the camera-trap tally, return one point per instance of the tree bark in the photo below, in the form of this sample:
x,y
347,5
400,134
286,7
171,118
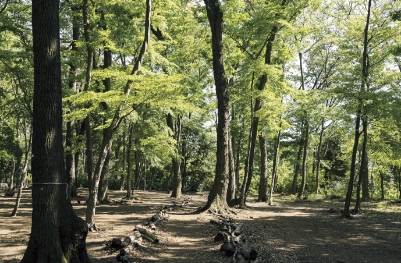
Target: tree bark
x,y
129,161
176,163
296,170
24,174
275,164
318,157
64,237
382,185
217,196
365,75
72,84
108,133
231,179
304,158
263,188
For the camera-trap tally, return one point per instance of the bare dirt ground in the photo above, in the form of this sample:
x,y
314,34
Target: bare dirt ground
x,y
290,231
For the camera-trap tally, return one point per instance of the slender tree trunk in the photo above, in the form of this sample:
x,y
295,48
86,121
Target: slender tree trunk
x,y
122,178
318,157
72,84
304,158
116,121
218,194
104,179
296,170
399,183
231,179
365,75
363,171
275,166
263,188
382,185
24,174
129,161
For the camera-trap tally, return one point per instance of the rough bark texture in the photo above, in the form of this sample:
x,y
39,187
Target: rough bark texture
x,y
65,235
217,196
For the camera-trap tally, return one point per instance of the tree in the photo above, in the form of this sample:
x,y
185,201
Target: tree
x,y
217,197
65,235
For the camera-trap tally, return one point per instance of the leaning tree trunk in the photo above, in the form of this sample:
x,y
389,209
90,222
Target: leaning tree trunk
x,y
116,121
57,234
365,75
24,174
217,196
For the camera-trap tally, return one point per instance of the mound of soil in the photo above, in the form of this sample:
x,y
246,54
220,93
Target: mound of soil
x,y
289,231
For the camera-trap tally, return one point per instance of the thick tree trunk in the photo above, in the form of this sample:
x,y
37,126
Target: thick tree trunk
x,y
217,196
64,237
263,187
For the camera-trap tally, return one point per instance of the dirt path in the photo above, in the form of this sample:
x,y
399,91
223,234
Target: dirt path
x,y
287,232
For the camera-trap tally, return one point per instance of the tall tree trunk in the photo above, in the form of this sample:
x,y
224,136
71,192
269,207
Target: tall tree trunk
x,y
363,170
107,63
275,167
255,120
294,187
382,185
231,179
304,158
72,84
365,75
24,174
57,234
129,159
318,157
115,122
122,178
217,196
176,162
264,177
104,179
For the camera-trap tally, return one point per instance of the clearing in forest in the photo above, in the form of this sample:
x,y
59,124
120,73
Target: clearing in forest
x,y
290,231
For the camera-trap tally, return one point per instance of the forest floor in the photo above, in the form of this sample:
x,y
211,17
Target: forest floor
x,y
289,231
